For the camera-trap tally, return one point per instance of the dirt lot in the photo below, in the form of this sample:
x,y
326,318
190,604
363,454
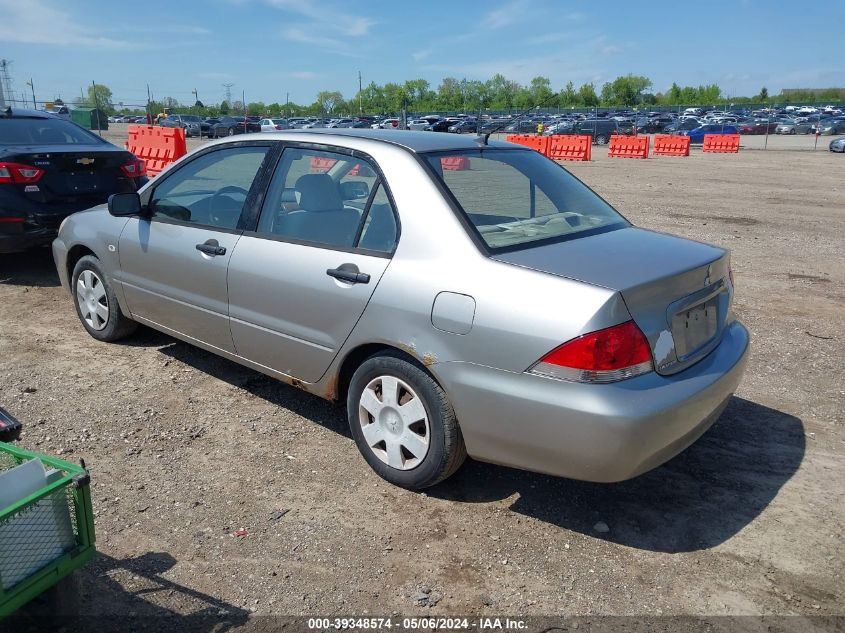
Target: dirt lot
x,y
186,448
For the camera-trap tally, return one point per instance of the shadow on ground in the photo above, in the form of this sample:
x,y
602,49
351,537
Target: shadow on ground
x,y
696,501
32,268
126,595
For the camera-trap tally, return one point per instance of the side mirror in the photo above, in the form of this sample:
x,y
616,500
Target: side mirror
x,y
354,190
124,204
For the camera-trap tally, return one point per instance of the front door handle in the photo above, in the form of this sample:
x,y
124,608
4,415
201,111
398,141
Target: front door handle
x,y
212,248
349,274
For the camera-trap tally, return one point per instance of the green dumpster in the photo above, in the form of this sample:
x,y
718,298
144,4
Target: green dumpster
x,y
87,118
45,535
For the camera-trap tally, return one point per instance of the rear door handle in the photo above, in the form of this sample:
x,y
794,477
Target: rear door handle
x,y
212,248
348,275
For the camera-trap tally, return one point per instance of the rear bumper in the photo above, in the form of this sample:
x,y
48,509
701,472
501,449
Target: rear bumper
x,y
601,433
19,242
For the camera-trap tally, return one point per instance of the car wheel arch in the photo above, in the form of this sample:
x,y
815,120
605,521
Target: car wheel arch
x,y
74,254
354,358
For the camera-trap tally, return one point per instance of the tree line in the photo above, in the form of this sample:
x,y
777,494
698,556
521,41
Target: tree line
x,y
467,95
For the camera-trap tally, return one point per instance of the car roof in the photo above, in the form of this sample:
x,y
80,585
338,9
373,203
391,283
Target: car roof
x,y
417,142
25,113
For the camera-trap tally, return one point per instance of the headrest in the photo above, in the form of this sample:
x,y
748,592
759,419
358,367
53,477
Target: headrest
x,y
318,192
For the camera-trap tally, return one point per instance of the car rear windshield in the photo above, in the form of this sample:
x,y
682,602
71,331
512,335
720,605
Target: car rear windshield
x,y
517,199
23,131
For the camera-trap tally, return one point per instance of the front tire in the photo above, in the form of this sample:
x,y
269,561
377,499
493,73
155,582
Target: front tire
x,y
601,140
96,304
403,423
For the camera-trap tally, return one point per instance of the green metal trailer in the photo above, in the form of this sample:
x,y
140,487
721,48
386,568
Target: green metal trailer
x,y
35,553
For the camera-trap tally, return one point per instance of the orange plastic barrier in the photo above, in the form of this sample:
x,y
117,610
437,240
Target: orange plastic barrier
x,y
322,165
570,147
455,163
539,143
721,143
628,146
156,146
670,145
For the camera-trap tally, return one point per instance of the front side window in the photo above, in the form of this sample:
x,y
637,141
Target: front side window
x,y
211,190
516,198
328,199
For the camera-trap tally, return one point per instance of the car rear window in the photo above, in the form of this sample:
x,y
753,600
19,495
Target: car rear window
x,y
516,199
23,131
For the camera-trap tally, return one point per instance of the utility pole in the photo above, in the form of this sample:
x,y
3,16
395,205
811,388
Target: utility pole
x,y
32,85
5,83
96,106
149,106
360,96
287,101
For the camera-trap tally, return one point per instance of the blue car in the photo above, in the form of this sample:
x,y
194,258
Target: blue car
x,y
697,134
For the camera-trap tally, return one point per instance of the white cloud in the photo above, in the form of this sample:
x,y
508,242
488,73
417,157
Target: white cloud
x,y
303,34
505,15
421,55
214,76
35,22
326,26
303,74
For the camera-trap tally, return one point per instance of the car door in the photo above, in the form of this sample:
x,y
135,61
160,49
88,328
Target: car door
x,y
300,280
174,261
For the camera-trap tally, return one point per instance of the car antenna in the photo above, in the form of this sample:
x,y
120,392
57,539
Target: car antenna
x,y
484,138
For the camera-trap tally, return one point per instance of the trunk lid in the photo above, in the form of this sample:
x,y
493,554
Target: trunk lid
x,y
677,290
81,174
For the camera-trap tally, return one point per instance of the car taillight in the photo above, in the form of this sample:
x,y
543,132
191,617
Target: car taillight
x,y
608,355
135,168
15,173
11,220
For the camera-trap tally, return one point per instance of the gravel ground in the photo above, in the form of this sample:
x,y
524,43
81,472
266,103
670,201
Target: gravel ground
x,y
185,449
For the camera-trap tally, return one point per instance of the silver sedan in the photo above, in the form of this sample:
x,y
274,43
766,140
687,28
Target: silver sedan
x,y
459,296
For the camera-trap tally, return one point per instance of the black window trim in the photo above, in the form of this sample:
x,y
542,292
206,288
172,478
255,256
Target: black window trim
x,y
255,195
251,225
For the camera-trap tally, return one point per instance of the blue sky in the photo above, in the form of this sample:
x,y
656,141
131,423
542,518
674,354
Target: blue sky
x,y
268,48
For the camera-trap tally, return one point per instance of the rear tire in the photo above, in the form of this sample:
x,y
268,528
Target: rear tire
x,y
403,423
96,304
601,140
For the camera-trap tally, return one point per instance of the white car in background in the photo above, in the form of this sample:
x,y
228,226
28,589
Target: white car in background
x,y
341,123
387,124
271,125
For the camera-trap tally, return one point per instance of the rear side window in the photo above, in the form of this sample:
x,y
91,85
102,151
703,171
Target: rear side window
x,y
23,131
329,200
515,199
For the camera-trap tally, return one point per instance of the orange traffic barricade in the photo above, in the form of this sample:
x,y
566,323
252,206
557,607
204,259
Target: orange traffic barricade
x,y
321,165
721,143
628,146
156,146
455,163
570,147
538,143
671,145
